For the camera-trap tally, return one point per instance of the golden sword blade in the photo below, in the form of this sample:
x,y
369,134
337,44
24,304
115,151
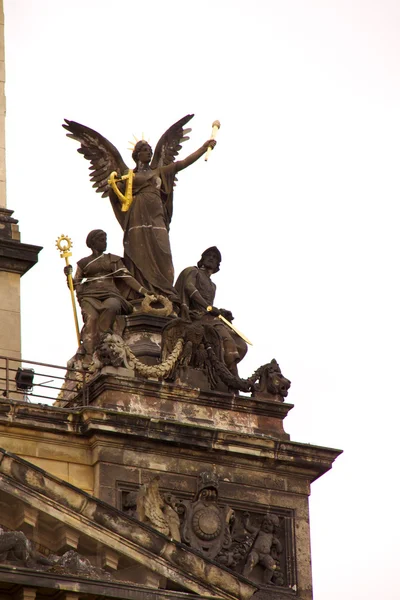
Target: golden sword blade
x,y
229,324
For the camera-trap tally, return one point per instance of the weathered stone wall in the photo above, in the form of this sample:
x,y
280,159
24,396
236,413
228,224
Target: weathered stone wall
x,y
10,316
111,453
246,484
65,456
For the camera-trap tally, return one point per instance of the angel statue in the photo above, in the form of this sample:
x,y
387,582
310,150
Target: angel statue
x,y
141,198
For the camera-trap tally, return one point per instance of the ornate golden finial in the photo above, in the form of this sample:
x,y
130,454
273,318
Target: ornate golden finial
x,y
64,248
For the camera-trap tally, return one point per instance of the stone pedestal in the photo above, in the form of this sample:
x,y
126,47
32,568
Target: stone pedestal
x,y
142,333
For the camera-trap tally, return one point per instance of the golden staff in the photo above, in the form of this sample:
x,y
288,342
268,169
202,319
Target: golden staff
x,y
239,333
65,253
215,126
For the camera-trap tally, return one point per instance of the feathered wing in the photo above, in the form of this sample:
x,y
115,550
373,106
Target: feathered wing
x,y
169,144
172,332
103,156
150,505
167,149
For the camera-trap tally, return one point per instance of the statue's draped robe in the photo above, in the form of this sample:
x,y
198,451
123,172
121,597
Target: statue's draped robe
x,y
102,296
102,274
147,251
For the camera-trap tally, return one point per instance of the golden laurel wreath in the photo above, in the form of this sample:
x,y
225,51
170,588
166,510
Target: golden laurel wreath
x,y
164,311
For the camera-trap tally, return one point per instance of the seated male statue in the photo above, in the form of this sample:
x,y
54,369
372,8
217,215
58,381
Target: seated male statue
x,y
197,293
101,281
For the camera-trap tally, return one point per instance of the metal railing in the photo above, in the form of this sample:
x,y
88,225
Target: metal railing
x,y
32,381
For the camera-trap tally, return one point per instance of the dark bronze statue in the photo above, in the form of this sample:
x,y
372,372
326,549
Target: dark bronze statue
x,y
102,283
197,293
142,198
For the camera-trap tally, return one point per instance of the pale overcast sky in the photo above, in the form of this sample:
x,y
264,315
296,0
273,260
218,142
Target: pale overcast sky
x,y
301,195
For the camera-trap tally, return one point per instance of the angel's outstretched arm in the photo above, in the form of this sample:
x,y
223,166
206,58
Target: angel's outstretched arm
x,y
189,160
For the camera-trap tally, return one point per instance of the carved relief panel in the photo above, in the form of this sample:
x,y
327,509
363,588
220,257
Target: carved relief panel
x,y
252,541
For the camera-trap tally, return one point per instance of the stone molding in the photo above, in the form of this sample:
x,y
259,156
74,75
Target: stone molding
x,y
70,584
294,457
16,257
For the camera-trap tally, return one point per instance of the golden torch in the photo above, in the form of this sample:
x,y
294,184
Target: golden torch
x,y
215,126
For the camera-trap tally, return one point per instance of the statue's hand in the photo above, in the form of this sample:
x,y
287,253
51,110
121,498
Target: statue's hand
x,y
214,311
144,291
211,143
227,314
68,270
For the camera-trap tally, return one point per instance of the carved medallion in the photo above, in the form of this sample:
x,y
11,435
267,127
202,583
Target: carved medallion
x,y
206,525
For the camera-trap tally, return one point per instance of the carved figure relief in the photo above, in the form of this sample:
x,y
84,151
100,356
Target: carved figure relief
x,y
148,506
252,544
265,550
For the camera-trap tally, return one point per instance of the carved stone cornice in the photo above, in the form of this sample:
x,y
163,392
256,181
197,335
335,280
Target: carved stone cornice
x,y
72,584
260,450
16,257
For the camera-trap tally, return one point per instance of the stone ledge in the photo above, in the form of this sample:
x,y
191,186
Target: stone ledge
x,y
16,257
103,588
118,389
297,458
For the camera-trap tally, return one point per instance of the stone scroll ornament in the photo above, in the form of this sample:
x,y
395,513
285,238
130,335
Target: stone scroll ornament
x,y
142,197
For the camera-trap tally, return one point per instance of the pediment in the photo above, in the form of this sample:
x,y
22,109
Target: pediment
x,y
128,557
